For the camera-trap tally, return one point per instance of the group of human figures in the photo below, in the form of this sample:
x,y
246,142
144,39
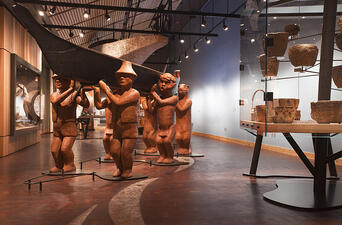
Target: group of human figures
x,y
121,112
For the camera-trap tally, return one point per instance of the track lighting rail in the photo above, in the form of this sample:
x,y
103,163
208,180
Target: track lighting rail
x,y
119,8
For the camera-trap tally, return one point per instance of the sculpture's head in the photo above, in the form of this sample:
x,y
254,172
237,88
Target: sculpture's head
x,y
125,75
166,82
183,90
61,82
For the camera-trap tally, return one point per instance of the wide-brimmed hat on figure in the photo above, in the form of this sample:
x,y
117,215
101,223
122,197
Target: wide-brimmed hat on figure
x,y
126,68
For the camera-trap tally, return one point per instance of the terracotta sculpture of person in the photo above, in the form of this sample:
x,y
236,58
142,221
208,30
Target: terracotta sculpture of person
x,y
150,125
125,102
183,120
108,133
165,105
64,102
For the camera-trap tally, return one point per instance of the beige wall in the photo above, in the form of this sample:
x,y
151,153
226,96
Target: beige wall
x,y
14,39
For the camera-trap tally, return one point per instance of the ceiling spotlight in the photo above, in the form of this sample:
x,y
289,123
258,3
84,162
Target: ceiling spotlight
x,y
203,22
252,40
179,59
225,27
195,49
52,10
181,40
186,55
41,13
81,34
86,14
71,34
207,40
107,16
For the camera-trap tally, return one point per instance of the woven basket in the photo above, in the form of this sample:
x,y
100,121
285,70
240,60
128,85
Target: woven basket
x,y
272,65
337,76
279,46
303,55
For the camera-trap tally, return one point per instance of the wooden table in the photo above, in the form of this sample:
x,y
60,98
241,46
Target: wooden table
x,y
319,197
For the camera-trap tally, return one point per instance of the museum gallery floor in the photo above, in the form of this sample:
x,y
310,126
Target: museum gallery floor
x,y
210,190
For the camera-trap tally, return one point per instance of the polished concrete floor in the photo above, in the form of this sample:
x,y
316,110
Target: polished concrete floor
x,y
210,190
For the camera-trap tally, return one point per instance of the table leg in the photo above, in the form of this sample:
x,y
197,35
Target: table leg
x,y
299,152
256,154
321,144
332,166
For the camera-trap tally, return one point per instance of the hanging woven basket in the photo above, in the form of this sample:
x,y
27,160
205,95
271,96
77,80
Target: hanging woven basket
x,y
303,55
338,39
272,65
292,29
339,22
277,43
337,76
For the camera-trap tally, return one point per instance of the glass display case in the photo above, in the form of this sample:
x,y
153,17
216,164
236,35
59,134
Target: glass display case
x,y
25,99
280,63
288,49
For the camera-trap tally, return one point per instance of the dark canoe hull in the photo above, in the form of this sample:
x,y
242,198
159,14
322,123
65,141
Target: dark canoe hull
x,y
73,61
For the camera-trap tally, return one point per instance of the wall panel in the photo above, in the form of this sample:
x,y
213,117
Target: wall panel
x,y
14,39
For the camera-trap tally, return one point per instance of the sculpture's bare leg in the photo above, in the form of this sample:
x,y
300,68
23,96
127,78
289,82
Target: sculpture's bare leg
x,y
106,144
56,154
160,145
115,151
126,157
68,155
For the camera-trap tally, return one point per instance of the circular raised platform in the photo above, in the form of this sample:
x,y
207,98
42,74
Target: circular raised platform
x,y
102,160
60,172
109,177
194,155
299,194
174,163
284,176
141,152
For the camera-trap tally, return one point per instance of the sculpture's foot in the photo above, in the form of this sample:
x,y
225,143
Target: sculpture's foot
x,y
54,169
183,151
108,157
126,174
161,159
69,168
117,173
168,160
151,150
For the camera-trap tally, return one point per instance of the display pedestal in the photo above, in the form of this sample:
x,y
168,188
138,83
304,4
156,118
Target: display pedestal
x,y
299,194
193,155
141,152
174,163
102,160
109,177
